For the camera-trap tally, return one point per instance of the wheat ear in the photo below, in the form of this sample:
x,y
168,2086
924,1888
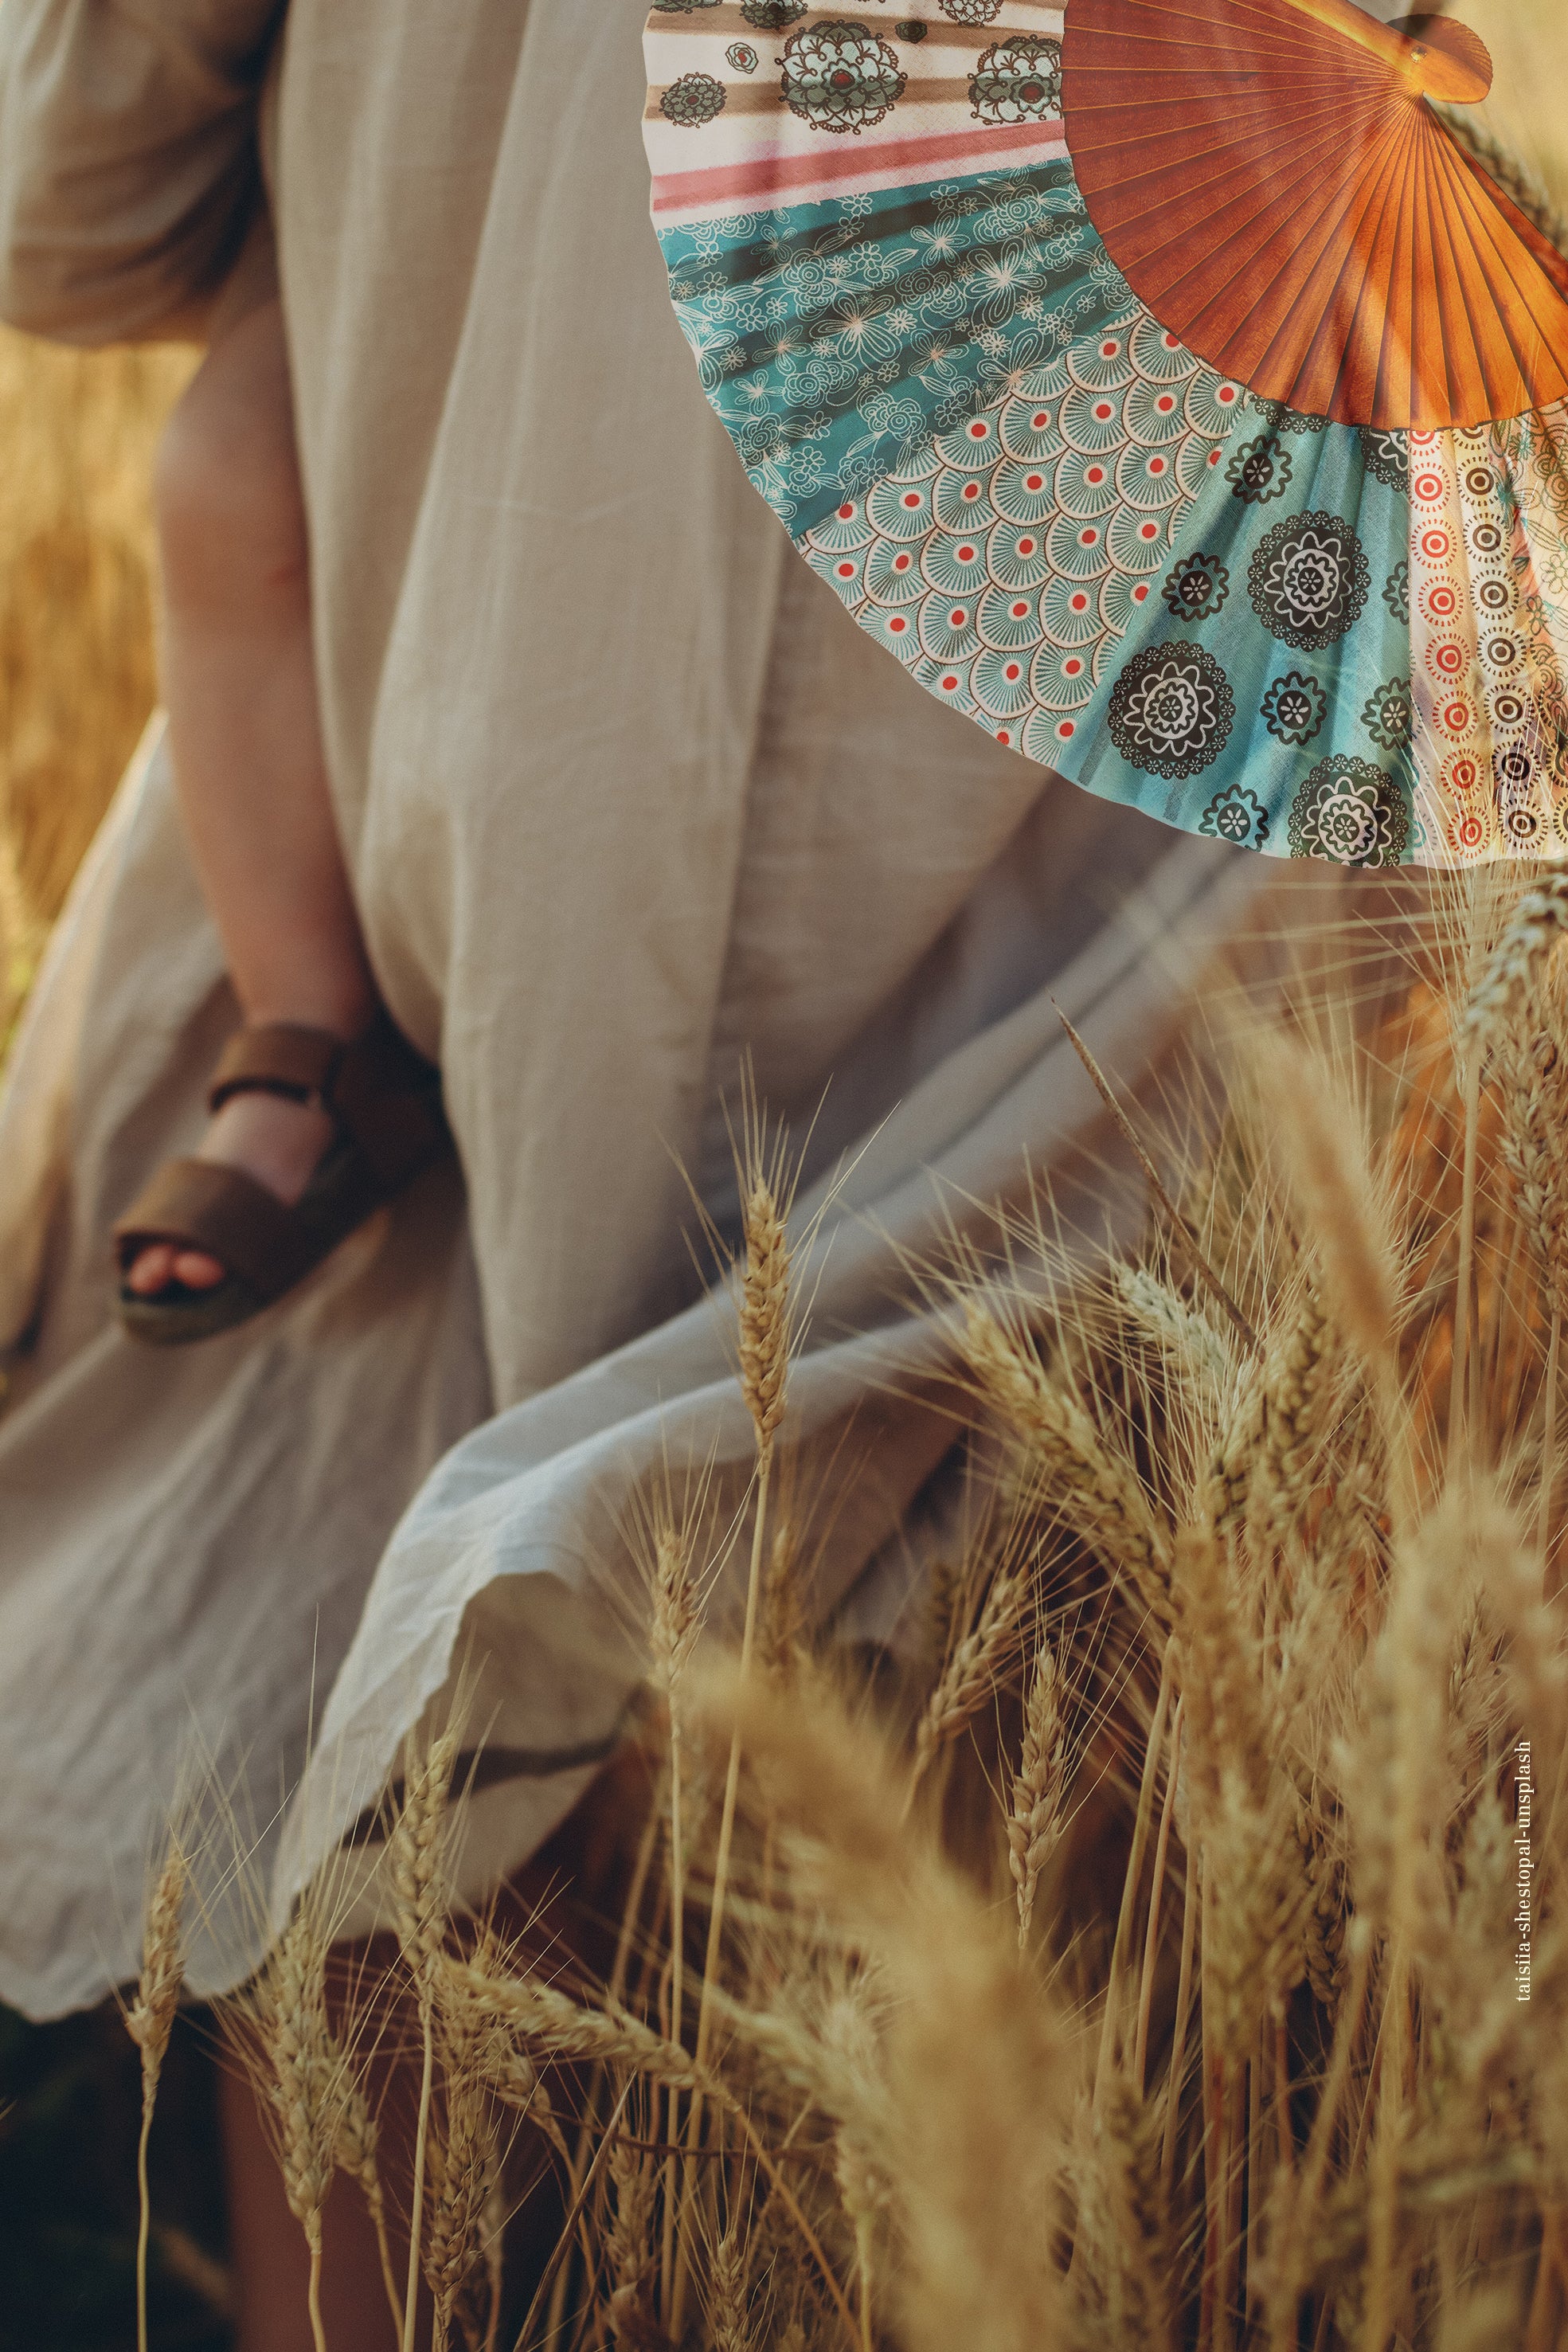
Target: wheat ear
x,y
1537,923
764,1374
1534,1085
1034,1827
310,2082
765,1344
415,1871
150,2022
609,2035
1535,928
359,2156
975,1667
467,2149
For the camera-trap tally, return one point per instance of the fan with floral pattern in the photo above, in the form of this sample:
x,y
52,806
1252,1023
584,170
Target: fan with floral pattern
x,y
1162,381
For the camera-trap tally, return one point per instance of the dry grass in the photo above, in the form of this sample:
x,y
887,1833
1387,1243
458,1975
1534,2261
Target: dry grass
x,y
1143,1965
77,672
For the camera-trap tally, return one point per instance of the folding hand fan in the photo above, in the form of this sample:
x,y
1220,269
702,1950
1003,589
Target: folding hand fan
x,y
1160,380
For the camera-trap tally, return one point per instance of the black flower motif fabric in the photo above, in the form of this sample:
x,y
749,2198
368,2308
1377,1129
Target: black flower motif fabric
x,y
1351,813
1196,588
1397,592
1018,81
1294,707
1259,471
772,16
840,76
692,101
1389,714
972,12
1284,419
1387,455
1236,815
1308,580
1171,710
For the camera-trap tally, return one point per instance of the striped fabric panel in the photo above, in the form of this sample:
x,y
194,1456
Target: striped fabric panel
x,y
739,113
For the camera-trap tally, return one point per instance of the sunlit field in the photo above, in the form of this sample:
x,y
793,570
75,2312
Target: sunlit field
x,y
1132,1966
77,672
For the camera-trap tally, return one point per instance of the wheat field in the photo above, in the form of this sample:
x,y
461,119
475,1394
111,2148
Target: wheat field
x,y
1174,1952
1169,1949
76,668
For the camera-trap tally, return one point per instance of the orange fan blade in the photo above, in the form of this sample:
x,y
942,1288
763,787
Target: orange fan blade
x,y
1268,177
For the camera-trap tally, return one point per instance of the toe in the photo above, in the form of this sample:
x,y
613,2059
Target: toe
x,y
151,1271
162,1263
197,1270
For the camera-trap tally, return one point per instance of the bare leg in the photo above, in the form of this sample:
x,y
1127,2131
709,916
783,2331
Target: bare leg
x,y
240,683
271,2267
564,1904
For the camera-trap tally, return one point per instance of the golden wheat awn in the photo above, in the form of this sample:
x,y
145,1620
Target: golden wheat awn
x,y
1247,2066
1142,1967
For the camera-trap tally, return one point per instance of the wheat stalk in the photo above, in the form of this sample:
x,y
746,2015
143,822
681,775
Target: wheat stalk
x,y
674,1633
764,1313
463,2154
766,1340
1124,2263
305,2074
413,1866
1317,2111
358,2155
150,2022
972,2062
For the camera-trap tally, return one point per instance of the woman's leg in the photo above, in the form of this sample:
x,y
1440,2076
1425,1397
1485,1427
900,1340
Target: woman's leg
x,y
561,1910
271,2267
240,683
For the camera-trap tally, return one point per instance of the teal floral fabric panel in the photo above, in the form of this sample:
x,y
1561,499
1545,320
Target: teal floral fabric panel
x,y
835,339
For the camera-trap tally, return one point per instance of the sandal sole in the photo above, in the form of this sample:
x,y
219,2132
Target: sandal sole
x,y
336,1202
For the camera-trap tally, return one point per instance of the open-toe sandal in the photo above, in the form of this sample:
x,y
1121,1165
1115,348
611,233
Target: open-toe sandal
x,y
384,1100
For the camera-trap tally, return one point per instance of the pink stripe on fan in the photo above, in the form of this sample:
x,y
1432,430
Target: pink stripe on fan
x,y
767,174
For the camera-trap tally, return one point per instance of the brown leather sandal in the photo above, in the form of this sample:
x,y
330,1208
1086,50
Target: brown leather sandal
x,y
385,1101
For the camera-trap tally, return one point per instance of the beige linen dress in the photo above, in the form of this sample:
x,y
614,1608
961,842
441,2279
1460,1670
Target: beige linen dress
x,y
624,796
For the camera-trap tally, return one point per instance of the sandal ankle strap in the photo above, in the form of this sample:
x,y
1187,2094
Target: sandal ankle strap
x,y
383,1094
277,1057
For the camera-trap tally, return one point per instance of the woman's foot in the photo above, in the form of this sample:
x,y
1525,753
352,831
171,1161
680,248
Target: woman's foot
x,y
278,1142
